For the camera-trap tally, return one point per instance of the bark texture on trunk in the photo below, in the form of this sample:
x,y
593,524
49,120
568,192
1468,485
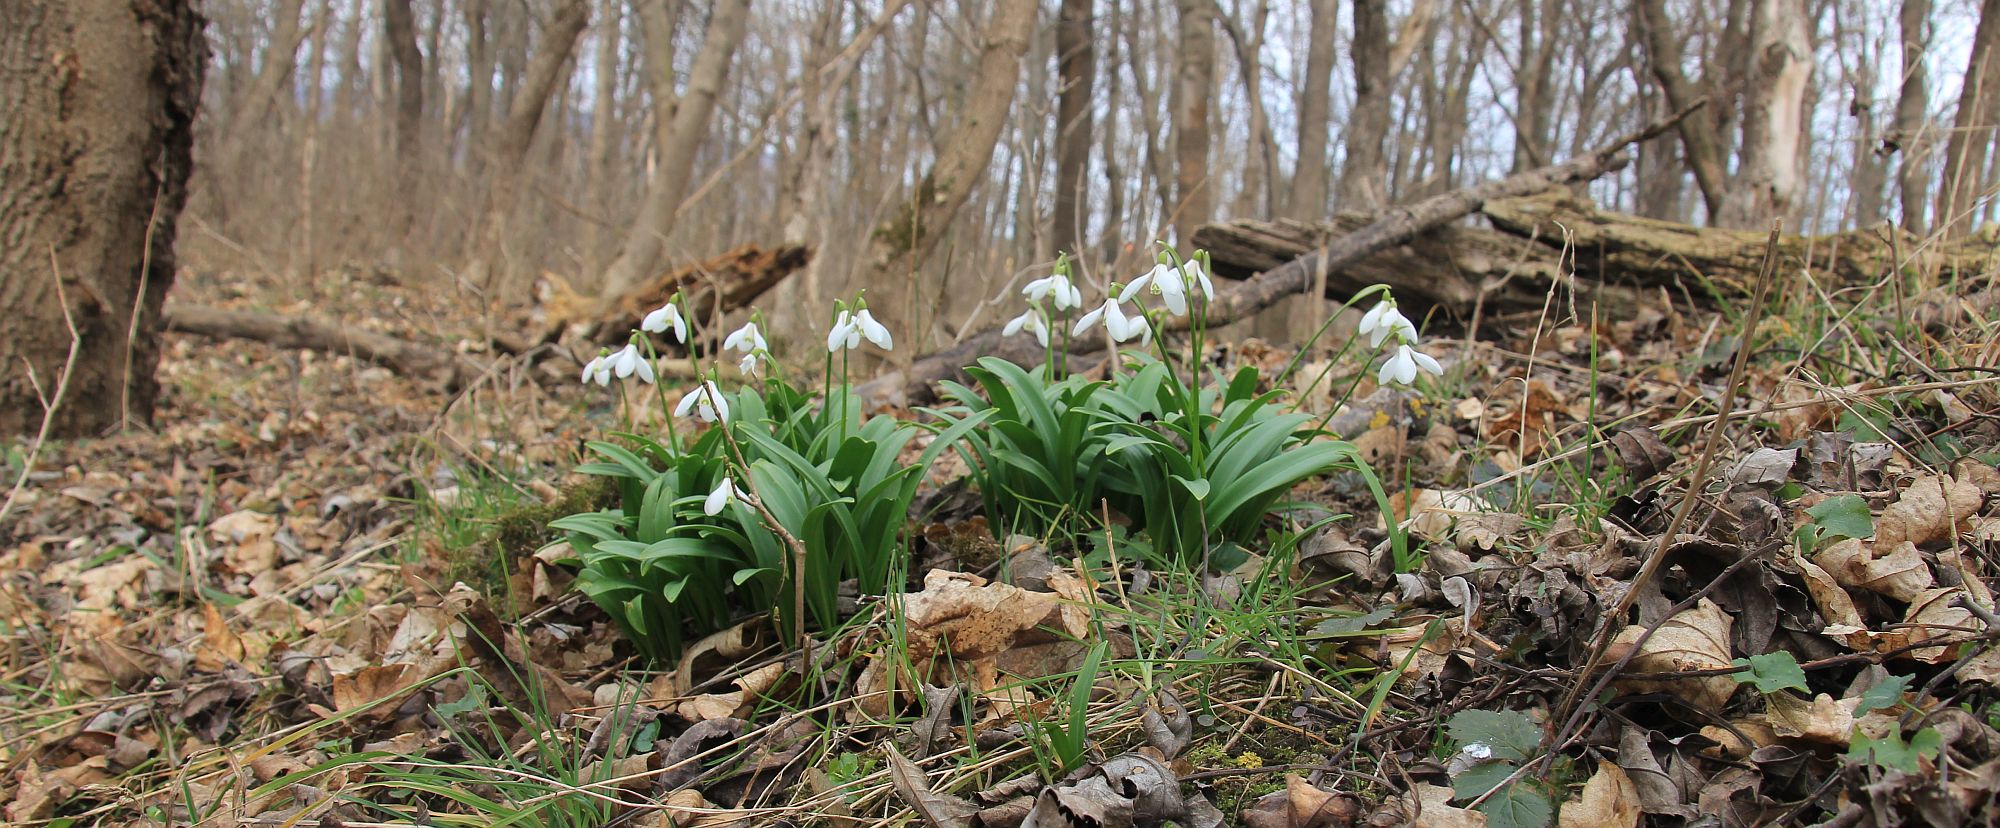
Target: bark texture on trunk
x,y
97,108
1194,86
1077,63
1364,178
680,123
1965,155
1912,108
1309,177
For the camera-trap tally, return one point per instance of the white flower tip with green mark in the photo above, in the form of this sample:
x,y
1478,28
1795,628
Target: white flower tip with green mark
x,y
720,497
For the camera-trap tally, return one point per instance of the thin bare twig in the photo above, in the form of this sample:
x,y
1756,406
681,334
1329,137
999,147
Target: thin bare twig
x,y
53,402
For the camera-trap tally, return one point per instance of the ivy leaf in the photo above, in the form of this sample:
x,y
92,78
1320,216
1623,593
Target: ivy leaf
x,y
1892,752
1771,672
1844,516
1510,734
1518,806
1888,694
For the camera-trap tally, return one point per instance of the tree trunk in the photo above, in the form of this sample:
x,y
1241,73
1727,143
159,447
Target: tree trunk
x,y
1766,184
402,35
680,123
1307,198
280,56
1699,140
1077,64
548,70
1194,86
96,143
1364,176
479,85
1910,138
1871,170
964,150
1971,141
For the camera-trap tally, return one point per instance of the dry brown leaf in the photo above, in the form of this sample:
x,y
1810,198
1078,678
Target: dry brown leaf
x,y
1900,573
246,540
1433,809
1862,639
1930,510
375,683
1931,615
1835,605
1824,720
1740,738
220,646
735,703
1609,800
959,626
939,810
1696,639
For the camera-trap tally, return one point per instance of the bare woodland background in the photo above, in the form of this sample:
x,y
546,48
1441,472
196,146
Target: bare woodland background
x,y
483,143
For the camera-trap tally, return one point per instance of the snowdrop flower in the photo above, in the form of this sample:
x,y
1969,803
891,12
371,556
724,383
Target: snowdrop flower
x,y
706,402
1165,280
1031,321
629,361
873,330
749,364
1120,326
667,317
724,492
597,370
1057,288
1198,276
1383,320
845,333
746,339
1402,368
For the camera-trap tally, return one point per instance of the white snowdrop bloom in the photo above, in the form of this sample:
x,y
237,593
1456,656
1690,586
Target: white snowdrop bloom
x,y
1031,321
724,492
1384,320
706,402
597,370
845,334
1056,288
667,317
629,361
1402,368
1165,280
1199,277
749,364
873,330
746,339
1120,326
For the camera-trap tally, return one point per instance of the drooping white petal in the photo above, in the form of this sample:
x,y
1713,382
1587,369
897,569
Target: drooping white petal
x,y
688,401
705,402
1015,325
1391,322
656,322
1131,291
719,497
713,398
1086,321
1426,363
1199,278
745,339
1400,369
749,363
1071,298
646,371
597,370
1372,319
874,331
841,335
627,360
1039,289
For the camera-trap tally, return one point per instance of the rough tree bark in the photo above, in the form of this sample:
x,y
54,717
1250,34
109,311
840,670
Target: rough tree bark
x,y
963,151
1365,174
1909,140
401,27
1194,86
680,120
280,56
1307,198
97,109
1699,142
1077,63
1771,163
546,71
1965,155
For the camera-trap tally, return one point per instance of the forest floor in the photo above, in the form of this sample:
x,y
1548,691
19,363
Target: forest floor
x,y
323,594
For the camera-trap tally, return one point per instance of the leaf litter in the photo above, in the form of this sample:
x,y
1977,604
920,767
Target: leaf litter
x,y
262,612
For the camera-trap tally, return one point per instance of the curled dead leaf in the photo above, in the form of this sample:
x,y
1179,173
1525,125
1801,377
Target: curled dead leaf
x,y
1609,800
1694,639
1931,509
1900,573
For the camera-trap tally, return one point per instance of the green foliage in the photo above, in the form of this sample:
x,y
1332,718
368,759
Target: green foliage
x,y
1891,751
1198,469
664,569
1501,740
1771,672
1844,516
1886,695
1061,745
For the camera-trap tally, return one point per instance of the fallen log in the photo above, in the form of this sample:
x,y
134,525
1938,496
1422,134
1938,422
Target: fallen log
x,y
1394,226
713,286
1614,256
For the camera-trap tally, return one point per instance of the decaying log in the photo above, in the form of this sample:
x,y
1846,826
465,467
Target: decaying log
x,y
1613,255
1387,229
314,334
714,286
